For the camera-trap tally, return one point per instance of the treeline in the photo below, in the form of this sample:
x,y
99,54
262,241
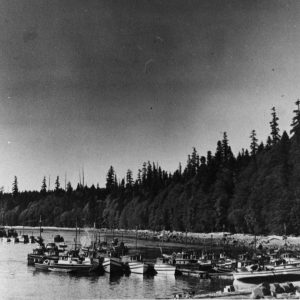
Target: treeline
x,y
256,191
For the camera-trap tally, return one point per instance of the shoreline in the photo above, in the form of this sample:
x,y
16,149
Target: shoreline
x,y
224,239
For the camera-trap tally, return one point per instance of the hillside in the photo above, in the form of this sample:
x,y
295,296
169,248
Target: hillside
x,y
258,191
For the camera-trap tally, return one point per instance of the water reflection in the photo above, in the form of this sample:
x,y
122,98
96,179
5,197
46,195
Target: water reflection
x,y
114,278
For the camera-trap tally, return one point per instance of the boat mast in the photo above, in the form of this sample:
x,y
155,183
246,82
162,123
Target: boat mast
x,y
95,236
76,235
136,238
163,237
255,244
285,237
40,228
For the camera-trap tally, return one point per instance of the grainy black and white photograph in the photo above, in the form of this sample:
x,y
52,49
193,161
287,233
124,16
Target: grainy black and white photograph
x,y
150,149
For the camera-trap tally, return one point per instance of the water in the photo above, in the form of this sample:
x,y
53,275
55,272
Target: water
x,y
19,281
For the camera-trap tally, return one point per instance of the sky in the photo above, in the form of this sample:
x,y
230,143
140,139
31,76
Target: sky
x,y
86,84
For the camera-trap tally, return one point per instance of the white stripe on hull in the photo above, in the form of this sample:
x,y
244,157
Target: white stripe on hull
x,y
138,267
164,269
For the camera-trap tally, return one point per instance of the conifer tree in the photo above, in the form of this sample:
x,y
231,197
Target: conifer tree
x,y
129,180
122,184
296,120
110,179
209,158
203,160
194,160
70,189
274,127
180,169
219,153
225,147
139,179
15,189
253,145
268,143
116,181
44,186
261,147
57,184
144,173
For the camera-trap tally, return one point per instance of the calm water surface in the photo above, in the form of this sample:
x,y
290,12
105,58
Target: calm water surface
x,y
19,281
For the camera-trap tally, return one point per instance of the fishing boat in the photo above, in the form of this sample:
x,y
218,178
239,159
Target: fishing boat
x,y
41,253
163,267
225,265
36,256
42,265
290,259
12,236
24,239
258,274
2,232
12,233
135,263
112,264
164,264
67,264
184,258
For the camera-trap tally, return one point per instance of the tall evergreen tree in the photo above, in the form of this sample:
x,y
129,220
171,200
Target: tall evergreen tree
x,y
274,127
129,179
225,147
209,157
144,173
15,189
219,153
57,184
296,120
194,161
111,179
254,144
180,169
139,178
44,186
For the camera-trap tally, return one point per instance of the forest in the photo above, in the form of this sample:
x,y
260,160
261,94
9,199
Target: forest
x,y
256,191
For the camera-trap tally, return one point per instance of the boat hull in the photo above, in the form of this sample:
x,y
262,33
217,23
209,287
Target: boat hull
x,y
41,266
164,269
76,268
112,265
138,267
279,275
65,268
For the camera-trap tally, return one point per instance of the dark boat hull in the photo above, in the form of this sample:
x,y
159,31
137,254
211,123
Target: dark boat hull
x,y
66,268
281,275
112,265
